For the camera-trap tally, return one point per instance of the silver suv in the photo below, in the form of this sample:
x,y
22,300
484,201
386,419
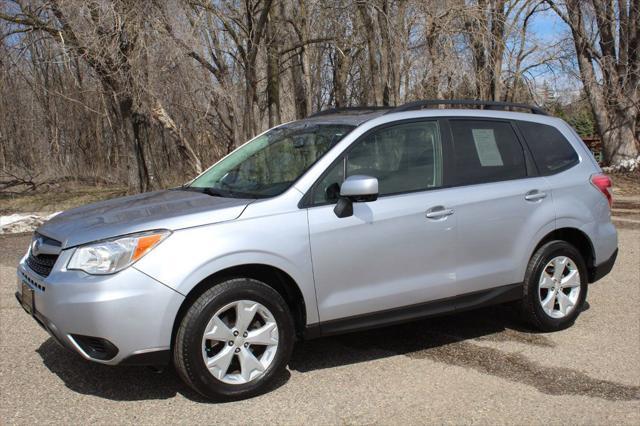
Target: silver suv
x,y
346,220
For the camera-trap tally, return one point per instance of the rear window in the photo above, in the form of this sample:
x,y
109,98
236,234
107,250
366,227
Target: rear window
x,y
551,151
486,151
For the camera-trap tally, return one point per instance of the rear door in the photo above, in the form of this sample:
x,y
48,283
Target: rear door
x,y
501,206
398,250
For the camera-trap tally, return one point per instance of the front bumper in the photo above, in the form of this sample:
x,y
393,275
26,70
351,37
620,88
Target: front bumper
x,y
129,309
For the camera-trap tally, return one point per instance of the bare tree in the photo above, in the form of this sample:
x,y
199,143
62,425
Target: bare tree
x,y
145,93
607,45
111,40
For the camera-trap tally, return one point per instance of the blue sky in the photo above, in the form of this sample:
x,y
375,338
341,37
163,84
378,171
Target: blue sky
x,y
548,26
550,29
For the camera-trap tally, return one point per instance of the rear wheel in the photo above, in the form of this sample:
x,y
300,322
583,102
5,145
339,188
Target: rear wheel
x,y
555,286
234,340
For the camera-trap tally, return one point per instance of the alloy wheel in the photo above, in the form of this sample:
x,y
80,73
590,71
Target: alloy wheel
x,y
240,342
559,287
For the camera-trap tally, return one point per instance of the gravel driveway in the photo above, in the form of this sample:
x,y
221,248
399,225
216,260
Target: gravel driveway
x,y
479,367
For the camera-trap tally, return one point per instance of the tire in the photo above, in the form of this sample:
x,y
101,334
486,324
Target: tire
x,y
544,316
191,349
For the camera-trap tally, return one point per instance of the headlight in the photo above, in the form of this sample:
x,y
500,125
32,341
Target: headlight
x,y
110,256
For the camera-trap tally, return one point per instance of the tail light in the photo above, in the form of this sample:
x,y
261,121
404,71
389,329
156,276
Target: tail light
x,y
603,183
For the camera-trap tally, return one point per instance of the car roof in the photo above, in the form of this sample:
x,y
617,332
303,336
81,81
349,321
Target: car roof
x,y
429,107
354,118
357,119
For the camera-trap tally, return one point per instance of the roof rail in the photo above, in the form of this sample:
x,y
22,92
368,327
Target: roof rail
x,y
506,106
362,109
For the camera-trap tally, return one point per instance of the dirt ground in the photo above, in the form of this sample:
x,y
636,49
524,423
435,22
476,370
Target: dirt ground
x,y
480,367
626,185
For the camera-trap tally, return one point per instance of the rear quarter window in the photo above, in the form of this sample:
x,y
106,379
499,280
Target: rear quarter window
x,y
486,151
551,151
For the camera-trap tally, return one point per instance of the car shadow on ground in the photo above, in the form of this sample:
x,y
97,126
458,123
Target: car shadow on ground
x,y
498,323
142,383
462,340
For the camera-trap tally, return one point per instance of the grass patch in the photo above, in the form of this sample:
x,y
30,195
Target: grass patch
x,y
56,199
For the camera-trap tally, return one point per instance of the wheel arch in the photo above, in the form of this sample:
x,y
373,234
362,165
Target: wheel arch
x,y
274,277
576,238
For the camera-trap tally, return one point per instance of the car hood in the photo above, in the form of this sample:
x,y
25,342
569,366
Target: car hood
x,y
170,209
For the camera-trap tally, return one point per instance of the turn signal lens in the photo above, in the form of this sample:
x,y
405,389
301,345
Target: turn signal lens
x,y
145,244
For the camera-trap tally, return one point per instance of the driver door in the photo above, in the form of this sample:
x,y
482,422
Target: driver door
x,y
389,254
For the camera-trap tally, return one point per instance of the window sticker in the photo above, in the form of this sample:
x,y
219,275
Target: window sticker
x,y
487,148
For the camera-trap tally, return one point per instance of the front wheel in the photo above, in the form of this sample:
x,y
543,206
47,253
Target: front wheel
x,y
234,340
555,286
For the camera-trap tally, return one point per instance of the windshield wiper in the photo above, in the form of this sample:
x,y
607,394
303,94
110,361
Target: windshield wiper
x,y
225,193
216,193
209,191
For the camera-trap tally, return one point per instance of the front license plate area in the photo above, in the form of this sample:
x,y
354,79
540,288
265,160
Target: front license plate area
x,y
27,299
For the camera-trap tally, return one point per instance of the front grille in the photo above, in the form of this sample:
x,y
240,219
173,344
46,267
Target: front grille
x,y
42,263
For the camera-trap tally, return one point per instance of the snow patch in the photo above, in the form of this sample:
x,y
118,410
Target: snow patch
x,y
630,165
23,222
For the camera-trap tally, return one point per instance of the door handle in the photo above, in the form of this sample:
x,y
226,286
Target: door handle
x,y
535,195
438,212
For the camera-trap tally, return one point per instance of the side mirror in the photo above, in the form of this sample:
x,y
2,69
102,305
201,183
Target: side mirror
x,y
355,189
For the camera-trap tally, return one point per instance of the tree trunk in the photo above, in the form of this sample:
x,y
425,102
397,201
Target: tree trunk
x,y
376,93
249,96
476,26
255,32
136,130
273,75
386,56
619,141
187,153
299,77
340,72
300,73
497,48
141,136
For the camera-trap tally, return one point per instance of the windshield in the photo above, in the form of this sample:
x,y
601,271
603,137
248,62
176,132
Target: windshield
x,y
272,162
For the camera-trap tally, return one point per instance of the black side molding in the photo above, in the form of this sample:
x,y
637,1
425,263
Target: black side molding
x,y
394,316
598,272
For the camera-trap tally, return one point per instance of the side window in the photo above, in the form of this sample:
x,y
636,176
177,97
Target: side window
x,y
327,189
486,151
551,151
404,158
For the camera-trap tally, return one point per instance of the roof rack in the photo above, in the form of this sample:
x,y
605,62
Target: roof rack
x,y
506,106
362,109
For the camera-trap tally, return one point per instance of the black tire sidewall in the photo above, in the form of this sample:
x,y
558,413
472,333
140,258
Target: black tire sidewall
x,y
195,322
533,305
